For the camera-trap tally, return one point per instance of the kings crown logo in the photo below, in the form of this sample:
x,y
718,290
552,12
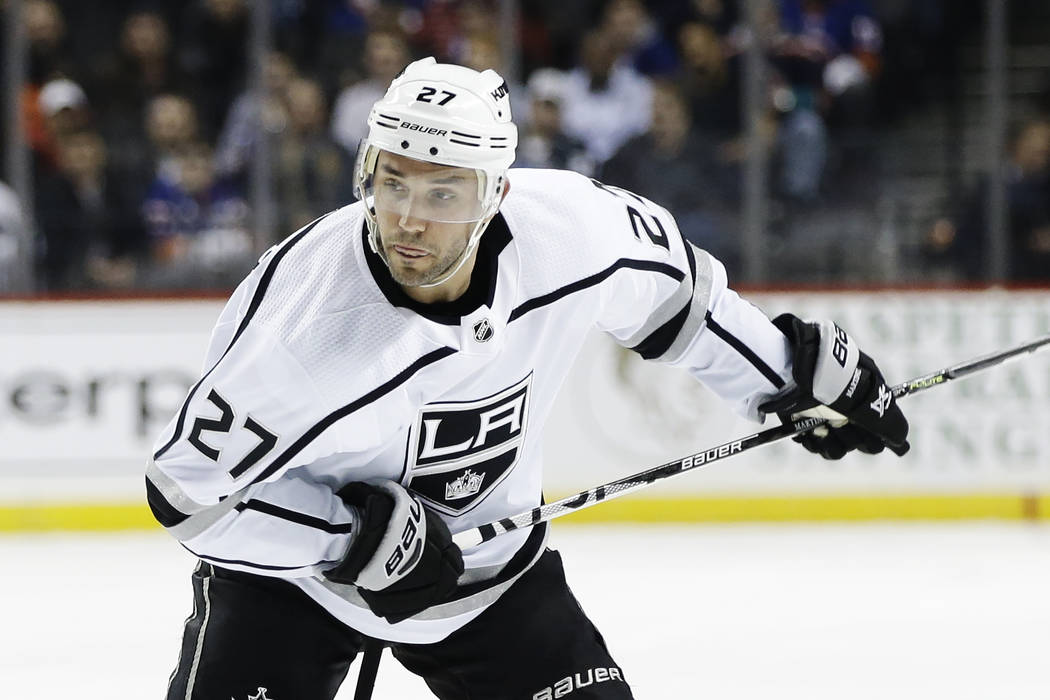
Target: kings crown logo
x,y
465,486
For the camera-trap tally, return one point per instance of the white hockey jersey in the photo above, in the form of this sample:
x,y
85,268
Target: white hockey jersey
x,y
321,371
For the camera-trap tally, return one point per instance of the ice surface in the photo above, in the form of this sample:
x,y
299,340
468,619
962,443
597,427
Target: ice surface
x,y
868,611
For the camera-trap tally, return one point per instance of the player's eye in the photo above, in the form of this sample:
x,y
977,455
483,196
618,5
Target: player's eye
x,y
442,196
394,186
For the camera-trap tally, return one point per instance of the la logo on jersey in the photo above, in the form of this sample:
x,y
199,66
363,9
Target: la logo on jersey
x,y
259,695
459,451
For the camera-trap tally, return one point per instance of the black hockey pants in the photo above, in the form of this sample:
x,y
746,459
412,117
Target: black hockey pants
x,y
260,637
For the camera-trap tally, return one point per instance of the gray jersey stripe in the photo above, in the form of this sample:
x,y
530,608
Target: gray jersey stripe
x,y
200,639
701,292
201,516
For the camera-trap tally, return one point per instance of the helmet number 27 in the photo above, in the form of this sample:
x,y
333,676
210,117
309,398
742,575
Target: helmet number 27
x,y
428,92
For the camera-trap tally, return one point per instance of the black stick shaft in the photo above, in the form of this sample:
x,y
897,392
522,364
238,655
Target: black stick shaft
x,y
614,489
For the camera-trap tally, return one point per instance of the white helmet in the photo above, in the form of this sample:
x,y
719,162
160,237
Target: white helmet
x,y
449,115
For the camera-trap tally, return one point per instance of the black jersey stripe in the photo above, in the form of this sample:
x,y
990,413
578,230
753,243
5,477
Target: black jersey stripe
x,y
744,350
257,297
168,516
163,512
295,517
659,341
326,422
592,280
690,256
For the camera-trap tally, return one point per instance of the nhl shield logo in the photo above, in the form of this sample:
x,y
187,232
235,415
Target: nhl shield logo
x,y
459,451
483,331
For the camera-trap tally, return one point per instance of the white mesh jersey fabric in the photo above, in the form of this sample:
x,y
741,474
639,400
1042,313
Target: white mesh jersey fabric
x,y
323,304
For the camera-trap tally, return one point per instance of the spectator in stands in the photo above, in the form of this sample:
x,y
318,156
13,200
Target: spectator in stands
x,y
447,24
676,165
12,234
721,15
45,31
635,35
828,53
123,82
606,101
197,225
328,43
214,52
249,118
62,109
543,143
171,126
312,174
299,30
961,243
88,218
802,149
386,53
709,77
481,52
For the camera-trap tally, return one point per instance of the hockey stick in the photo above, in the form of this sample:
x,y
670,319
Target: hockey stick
x,y
615,489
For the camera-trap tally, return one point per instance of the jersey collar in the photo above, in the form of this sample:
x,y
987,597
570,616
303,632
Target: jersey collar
x,y
480,292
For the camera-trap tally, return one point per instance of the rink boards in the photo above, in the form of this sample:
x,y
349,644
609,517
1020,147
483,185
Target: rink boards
x,y
86,385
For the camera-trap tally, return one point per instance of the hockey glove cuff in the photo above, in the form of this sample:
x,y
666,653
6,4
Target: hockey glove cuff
x,y
402,557
836,381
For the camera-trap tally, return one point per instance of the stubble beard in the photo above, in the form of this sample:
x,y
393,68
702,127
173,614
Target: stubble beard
x,y
417,277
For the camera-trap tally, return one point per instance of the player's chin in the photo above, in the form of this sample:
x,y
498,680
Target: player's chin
x,y
412,275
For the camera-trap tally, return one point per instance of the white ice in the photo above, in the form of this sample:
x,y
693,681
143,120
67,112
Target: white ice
x,y
873,611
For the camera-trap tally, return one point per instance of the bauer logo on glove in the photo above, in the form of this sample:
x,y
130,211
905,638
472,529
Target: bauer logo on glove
x,y
409,542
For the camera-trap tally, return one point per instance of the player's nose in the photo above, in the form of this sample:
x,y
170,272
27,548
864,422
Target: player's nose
x,y
408,220
412,224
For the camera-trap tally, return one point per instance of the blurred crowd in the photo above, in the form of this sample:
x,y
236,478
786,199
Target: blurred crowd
x,y
144,130
958,241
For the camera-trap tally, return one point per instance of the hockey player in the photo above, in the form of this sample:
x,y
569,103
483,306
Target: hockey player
x,y
382,378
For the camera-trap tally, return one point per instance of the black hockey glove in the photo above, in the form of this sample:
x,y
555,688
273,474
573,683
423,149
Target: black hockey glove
x,y
402,558
832,373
